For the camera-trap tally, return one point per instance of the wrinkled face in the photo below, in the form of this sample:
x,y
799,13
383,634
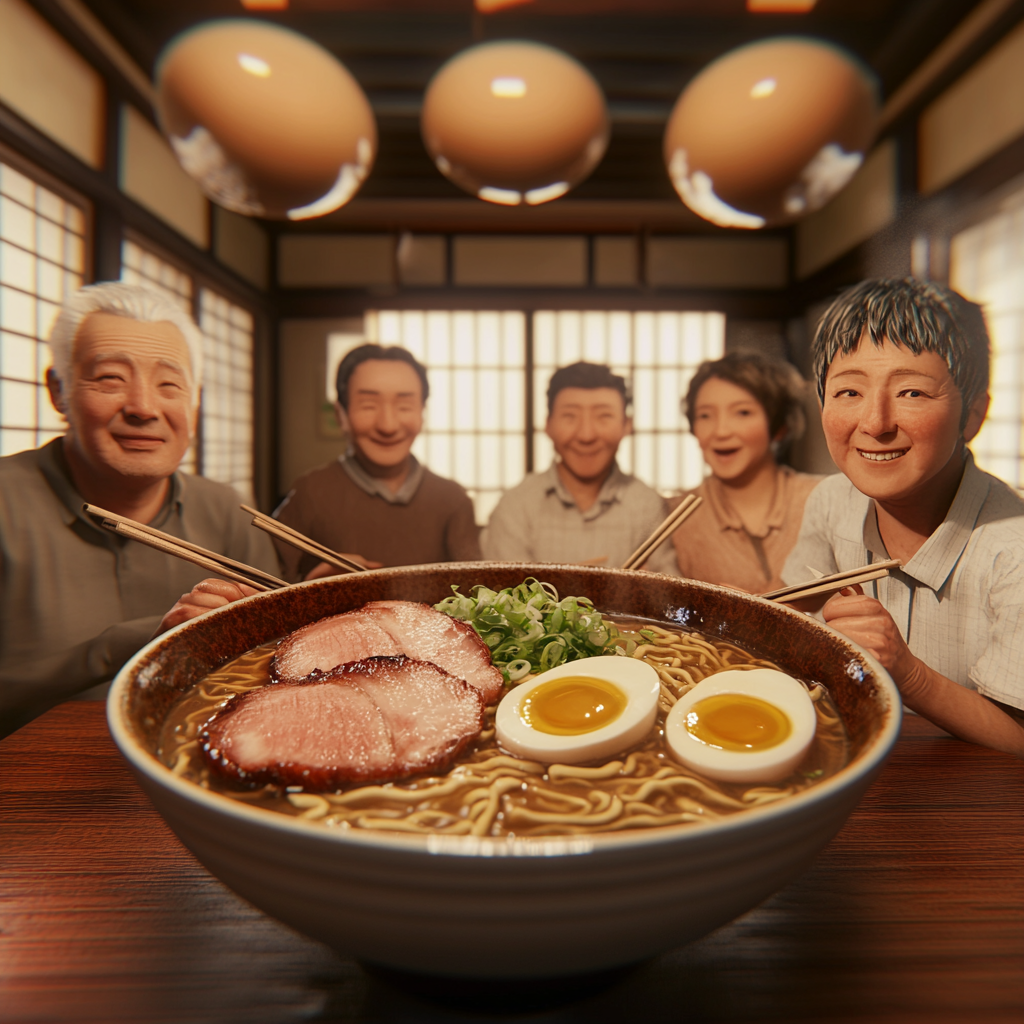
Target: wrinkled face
x,y
586,426
129,401
731,426
385,410
892,419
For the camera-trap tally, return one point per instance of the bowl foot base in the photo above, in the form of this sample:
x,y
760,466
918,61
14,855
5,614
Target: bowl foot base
x,y
500,995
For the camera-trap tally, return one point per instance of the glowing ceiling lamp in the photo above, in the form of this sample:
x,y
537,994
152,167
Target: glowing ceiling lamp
x,y
780,6
490,6
514,122
267,122
770,132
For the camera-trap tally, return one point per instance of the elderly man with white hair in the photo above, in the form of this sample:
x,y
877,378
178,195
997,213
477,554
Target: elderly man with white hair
x,y
76,601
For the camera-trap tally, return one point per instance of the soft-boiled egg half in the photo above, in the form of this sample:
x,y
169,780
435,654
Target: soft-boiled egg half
x,y
581,711
749,726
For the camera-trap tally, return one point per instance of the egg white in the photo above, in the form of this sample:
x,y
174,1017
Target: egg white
x,y
637,680
789,695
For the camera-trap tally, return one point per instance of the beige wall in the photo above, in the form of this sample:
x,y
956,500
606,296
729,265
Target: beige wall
x,y
975,117
304,440
616,261
422,260
335,261
863,208
749,262
151,175
520,261
48,83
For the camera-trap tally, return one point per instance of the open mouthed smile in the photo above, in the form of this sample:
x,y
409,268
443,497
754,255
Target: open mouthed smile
x,y
882,456
725,451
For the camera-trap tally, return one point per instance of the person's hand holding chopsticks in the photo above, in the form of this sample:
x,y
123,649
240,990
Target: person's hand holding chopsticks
x,y
866,622
203,597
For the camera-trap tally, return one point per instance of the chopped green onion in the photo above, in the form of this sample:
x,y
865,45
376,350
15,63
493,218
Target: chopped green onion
x,y
529,629
517,669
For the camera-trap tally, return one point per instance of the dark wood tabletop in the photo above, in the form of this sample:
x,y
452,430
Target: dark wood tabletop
x,y
915,912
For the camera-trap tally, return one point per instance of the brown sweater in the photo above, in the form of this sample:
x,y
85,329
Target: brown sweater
x,y
437,525
713,546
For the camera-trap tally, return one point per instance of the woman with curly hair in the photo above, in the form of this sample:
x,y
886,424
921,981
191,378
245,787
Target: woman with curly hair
x,y
744,411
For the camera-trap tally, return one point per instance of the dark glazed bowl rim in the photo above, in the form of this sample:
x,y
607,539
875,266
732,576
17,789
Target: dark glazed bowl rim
x,y
863,763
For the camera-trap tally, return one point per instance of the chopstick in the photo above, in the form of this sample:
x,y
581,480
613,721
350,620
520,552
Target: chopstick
x,y
299,540
237,572
668,526
837,581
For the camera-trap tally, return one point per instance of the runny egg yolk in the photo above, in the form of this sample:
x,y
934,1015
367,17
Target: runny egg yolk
x,y
736,721
572,705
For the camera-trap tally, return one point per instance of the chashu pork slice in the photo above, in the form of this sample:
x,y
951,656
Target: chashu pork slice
x,y
376,720
322,646
431,635
388,628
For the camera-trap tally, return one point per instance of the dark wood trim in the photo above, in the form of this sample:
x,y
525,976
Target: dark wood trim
x,y
971,54
338,302
940,216
57,163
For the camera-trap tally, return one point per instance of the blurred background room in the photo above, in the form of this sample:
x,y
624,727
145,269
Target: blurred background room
x,y
493,297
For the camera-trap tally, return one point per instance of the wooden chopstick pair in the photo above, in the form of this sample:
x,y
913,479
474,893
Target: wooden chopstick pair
x,y
668,526
837,581
298,540
238,572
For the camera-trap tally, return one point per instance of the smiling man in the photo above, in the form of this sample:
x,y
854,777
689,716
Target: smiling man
x,y
583,508
377,501
76,601
902,370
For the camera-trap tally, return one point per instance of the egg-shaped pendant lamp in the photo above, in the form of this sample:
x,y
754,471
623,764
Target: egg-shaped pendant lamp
x,y
266,121
770,132
514,122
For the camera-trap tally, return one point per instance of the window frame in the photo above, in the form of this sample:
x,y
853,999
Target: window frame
x,y
40,178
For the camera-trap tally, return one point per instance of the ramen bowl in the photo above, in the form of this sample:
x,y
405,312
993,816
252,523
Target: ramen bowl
x,y
506,907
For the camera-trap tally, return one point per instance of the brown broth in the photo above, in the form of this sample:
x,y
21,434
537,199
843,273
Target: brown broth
x,y
487,792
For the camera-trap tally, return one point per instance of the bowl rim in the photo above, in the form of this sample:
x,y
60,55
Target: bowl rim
x,y
496,847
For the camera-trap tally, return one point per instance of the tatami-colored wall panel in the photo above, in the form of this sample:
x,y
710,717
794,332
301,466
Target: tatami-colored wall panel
x,y
520,261
863,208
616,261
700,262
304,443
975,117
335,261
152,176
45,80
241,244
423,260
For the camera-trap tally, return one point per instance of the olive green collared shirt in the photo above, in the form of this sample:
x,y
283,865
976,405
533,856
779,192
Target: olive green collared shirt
x,y
76,601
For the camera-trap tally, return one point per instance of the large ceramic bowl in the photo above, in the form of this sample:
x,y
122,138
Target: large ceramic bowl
x,y
495,907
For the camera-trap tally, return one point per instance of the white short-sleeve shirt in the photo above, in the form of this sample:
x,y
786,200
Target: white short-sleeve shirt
x,y
959,602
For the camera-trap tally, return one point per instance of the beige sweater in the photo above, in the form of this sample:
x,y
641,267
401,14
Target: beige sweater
x,y
713,546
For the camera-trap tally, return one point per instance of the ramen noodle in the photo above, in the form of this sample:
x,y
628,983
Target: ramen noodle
x,y
485,792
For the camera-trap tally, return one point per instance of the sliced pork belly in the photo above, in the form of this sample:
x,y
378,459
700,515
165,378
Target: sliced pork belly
x,y
388,628
322,646
371,721
431,714
433,636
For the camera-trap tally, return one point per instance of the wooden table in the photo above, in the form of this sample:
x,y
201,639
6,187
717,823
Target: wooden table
x,y
914,913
